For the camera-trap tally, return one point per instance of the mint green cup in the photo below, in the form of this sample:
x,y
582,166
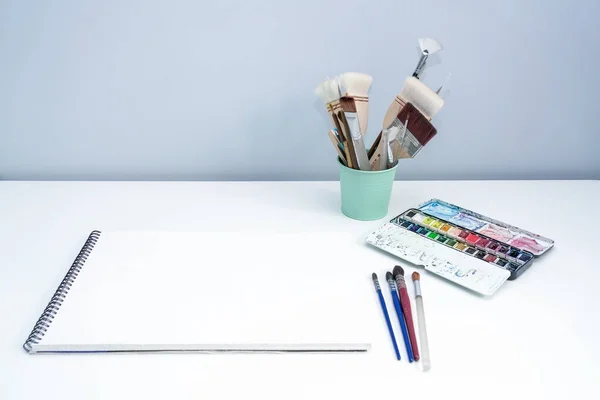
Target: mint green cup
x,y
366,194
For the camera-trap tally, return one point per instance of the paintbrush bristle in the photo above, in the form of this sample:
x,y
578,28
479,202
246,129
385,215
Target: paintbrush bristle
x,y
347,104
430,45
421,96
398,270
356,84
374,276
416,276
418,124
328,91
388,276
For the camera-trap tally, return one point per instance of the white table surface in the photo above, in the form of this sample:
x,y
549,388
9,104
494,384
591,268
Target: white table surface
x,y
537,338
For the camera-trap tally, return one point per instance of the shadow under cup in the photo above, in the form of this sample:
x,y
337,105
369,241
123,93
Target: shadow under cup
x,y
366,194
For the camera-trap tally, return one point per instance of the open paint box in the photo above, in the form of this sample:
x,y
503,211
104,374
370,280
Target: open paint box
x,y
460,245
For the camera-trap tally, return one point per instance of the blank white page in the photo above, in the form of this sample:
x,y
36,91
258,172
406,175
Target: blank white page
x,y
176,291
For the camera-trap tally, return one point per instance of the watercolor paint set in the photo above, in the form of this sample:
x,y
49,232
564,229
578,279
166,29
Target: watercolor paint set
x,y
460,245
500,231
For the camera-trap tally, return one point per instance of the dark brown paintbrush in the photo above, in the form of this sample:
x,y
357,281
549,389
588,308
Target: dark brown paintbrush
x,y
415,133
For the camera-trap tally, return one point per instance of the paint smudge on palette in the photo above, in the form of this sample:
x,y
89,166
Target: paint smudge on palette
x,y
500,231
527,243
466,221
497,232
440,210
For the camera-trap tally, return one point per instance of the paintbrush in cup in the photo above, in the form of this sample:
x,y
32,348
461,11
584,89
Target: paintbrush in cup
x,y
338,146
346,112
420,95
418,132
415,91
388,136
428,47
329,92
381,155
356,86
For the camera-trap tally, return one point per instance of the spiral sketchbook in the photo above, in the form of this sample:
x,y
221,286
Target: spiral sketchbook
x,y
209,292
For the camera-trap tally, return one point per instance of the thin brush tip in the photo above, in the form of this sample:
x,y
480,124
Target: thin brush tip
x,y
374,277
388,275
416,276
398,270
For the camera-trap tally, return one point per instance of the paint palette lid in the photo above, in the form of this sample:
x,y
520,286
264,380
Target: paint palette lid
x,y
500,231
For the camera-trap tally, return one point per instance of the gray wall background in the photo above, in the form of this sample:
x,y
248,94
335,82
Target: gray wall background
x,y
223,89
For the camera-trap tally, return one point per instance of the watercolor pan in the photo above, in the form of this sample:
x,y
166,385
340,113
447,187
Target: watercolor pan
x,y
501,262
437,224
429,220
472,238
460,246
467,242
491,228
490,258
451,242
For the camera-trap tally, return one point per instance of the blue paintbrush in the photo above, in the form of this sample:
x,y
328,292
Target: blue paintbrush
x,y
390,279
385,313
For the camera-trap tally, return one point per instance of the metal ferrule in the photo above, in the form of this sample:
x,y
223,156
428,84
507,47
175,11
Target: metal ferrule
x,y
417,288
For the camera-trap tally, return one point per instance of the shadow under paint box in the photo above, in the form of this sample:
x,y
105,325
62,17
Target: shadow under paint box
x,y
366,194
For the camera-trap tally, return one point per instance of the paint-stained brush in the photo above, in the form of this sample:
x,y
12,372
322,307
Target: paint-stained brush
x,y
406,309
390,279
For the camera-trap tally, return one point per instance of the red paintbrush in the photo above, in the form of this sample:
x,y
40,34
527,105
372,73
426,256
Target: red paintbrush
x,y
406,310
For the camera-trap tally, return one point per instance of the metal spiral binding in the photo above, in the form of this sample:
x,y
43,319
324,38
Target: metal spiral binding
x,y
43,323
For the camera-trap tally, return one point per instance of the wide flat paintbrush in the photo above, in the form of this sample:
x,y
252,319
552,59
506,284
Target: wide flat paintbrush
x,y
346,112
356,85
420,95
329,92
419,131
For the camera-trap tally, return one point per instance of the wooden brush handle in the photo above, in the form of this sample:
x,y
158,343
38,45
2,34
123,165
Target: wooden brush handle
x,y
344,138
362,111
393,111
376,153
348,145
336,144
374,146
